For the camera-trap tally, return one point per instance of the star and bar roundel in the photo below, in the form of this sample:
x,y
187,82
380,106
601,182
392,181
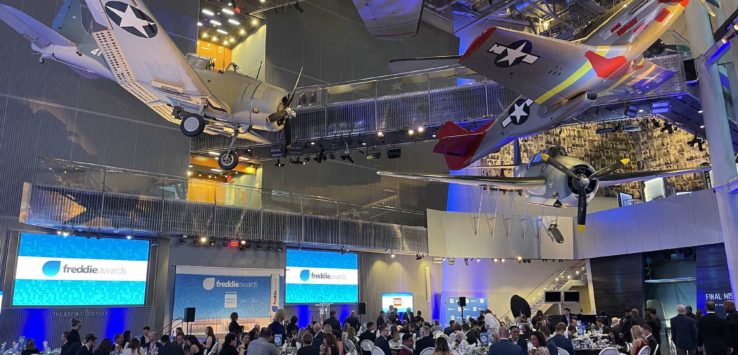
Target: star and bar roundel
x,y
131,19
518,112
513,54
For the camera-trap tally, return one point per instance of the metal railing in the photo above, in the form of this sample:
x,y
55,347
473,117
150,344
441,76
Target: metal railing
x,y
420,98
95,198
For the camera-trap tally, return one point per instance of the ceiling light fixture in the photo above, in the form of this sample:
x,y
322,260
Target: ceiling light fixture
x,y
208,12
234,22
216,23
254,22
223,32
227,11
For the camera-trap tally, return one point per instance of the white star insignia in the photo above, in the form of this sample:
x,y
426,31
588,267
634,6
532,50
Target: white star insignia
x,y
518,113
129,19
513,54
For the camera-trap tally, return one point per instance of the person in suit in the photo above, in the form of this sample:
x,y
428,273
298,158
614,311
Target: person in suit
x,y
151,343
229,345
333,321
731,319
409,316
615,333
88,346
307,346
634,318
601,327
145,337
712,332
690,314
382,341
504,346
450,329
653,320
318,337
550,345
561,340
105,347
651,339
169,348
425,342
566,316
353,321
684,332
517,339
369,333
407,345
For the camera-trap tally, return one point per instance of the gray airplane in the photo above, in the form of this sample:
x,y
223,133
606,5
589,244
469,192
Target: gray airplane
x,y
554,179
126,44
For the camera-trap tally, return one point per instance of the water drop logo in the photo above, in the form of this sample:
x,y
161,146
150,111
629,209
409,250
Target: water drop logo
x,y
51,268
208,283
305,275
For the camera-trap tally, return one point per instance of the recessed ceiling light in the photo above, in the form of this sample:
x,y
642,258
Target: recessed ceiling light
x,y
199,24
205,35
223,32
227,11
215,22
234,22
208,12
242,32
215,38
254,22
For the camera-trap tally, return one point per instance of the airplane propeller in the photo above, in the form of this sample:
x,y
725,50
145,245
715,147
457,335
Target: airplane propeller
x,y
283,116
582,180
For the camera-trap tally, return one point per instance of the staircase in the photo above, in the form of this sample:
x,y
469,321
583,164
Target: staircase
x,y
560,280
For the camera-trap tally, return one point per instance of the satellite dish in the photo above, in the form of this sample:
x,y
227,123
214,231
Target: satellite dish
x,y
518,306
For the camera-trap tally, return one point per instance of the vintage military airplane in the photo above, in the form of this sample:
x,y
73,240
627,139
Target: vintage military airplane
x,y
129,46
554,179
558,79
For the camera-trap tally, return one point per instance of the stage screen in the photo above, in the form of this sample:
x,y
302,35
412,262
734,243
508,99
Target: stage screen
x,y
53,270
313,277
401,301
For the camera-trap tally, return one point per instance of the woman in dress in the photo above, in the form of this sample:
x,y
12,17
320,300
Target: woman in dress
x,y
229,345
277,327
538,340
244,346
30,347
209,338
639,341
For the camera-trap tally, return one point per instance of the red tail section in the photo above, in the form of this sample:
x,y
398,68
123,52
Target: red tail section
x,y
458,144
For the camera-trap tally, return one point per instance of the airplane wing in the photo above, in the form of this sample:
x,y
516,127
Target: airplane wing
x,y
504,183
145,61
542,69
390,18
36,32
617,179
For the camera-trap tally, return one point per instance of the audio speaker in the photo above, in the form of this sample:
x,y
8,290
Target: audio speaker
x,y
189,315
462,301
362,308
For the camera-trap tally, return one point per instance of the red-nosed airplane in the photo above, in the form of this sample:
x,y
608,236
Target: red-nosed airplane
x,y
558,79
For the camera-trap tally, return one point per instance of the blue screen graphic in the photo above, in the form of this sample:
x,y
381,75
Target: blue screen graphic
x,y
53,270
313,277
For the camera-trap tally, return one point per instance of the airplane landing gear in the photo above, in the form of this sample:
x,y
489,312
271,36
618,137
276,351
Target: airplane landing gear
x,y
192,125
228,160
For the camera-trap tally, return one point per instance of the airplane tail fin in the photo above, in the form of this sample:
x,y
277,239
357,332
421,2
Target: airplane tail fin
x,y
68,22
458,144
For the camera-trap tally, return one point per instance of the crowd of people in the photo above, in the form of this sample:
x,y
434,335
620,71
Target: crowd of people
x,y
409,333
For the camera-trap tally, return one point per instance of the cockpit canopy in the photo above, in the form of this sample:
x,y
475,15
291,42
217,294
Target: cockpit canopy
x,y
552,151
199,62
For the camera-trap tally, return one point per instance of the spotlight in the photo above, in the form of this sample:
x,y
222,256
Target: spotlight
x,y
203,240
495,260
129,237
392,254
502,260
410,132
380,134
421,129
65,234
519,259
478,259
554,233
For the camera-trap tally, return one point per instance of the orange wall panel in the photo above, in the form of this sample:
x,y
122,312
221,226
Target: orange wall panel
x,y
222,55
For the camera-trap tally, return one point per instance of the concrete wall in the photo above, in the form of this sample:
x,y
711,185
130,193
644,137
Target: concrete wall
x,y
250,53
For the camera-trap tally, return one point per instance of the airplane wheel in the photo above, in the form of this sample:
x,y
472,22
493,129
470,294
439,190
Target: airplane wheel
x,y
228,160
192,125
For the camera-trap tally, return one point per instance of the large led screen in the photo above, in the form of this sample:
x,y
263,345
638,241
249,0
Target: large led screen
x,y
53,270
401,301
313,277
